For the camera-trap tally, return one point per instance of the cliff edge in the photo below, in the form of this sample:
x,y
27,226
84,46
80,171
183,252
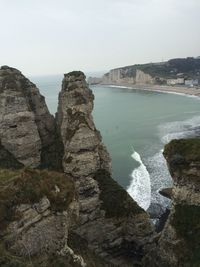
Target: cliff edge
x,y
178,243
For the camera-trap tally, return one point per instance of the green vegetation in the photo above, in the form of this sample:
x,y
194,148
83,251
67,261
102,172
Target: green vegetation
x,y
190,67
160,70
7,175
74,73
188,149
115,200
186,221
28,186
8,260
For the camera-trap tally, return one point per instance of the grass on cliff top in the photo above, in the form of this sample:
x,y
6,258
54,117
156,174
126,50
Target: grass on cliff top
x,y
74,73
28,186
115,200
7,175
189,149
186,221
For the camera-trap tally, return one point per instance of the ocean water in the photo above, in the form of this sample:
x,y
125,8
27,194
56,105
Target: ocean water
x,y
135,126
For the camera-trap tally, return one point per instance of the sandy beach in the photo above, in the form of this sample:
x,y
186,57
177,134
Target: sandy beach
x,y
174,89
193,91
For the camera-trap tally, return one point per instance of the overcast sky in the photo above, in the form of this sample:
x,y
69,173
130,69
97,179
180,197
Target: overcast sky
x,y
56,36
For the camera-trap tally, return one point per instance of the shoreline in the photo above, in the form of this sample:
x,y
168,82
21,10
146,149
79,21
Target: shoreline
x,y
161,88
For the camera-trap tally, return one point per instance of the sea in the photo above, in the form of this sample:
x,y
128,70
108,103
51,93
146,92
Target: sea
x,y
135,125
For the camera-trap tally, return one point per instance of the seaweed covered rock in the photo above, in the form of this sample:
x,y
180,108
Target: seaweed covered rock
x,y
179,242
112,225
28,131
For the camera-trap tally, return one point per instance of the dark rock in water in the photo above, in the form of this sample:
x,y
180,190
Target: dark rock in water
x,y
155,210
166,192
162,221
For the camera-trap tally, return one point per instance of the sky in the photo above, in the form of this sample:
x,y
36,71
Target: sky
x,y
41,37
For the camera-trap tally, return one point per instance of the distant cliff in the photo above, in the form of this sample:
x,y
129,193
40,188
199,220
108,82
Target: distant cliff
x,y
177,70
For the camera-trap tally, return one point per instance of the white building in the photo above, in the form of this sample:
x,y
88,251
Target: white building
x,y
191,82
175,81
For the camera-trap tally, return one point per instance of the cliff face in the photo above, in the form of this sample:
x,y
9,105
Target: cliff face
x,y
27,129
124,76
78,218
178,244
37,209
154,73
110,224
82,217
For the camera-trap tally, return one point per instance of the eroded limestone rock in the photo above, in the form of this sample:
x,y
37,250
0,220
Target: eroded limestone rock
x,y
114,227
27,129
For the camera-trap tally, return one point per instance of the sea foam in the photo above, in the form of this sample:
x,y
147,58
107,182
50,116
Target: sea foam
x,y
140,186
179,129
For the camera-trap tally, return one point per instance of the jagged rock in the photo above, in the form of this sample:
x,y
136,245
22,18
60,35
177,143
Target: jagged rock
x,y
27,129
178,244
7,160
113,226
77,219
35,218
84,151
166,192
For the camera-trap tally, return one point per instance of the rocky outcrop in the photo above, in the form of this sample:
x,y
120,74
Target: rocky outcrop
x,y
27,129
84,150
37,209
112,225
82,217
178,244
50,218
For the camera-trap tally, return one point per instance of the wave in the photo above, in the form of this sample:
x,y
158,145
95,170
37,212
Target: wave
x,y
160,177
140,186
120,86
159,173
159,91
179,129
174,93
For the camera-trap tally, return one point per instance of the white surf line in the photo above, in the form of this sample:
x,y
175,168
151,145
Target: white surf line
x,y
155,90
140,185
